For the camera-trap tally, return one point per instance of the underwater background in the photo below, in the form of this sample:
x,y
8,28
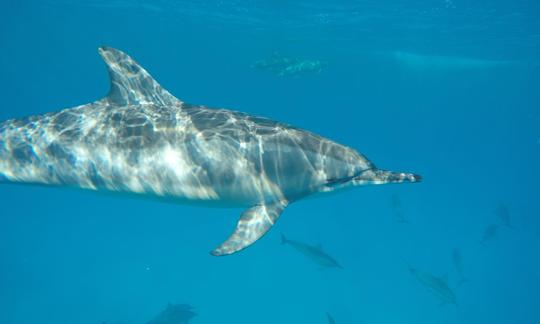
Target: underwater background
x,y
446,89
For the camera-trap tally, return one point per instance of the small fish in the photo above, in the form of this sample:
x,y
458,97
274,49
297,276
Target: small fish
x,y
489,233
314,253
458,264
504,215
437,285
330,319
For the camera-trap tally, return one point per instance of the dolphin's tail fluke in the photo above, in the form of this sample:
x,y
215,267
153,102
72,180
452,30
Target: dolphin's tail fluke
x,y
283,239
375,176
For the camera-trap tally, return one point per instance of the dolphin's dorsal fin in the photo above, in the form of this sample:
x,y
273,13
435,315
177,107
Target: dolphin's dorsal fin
x,y
130,83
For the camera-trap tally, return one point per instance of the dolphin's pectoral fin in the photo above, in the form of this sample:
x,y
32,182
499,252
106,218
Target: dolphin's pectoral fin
x,y
253,224
130,83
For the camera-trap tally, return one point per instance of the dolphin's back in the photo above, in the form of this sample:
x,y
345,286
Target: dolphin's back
x,y
187,151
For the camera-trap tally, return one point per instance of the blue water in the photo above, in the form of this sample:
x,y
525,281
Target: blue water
x,y
461,108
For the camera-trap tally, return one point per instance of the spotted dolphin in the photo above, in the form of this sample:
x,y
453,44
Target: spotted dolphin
x,y
438,285
141,139
314,253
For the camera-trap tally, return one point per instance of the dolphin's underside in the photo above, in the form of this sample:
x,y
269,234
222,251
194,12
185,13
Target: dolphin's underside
x,y
141,139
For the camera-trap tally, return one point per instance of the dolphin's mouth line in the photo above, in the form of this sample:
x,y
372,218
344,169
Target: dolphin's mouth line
x,y
335,182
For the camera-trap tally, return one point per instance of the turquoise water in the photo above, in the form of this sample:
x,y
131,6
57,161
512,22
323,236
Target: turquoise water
x,y
445,89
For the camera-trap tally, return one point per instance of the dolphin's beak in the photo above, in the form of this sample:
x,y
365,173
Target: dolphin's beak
x,y
375,176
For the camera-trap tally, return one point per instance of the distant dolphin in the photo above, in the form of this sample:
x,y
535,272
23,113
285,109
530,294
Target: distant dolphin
x,y
489,233
289,66
457,259
141,139
504,215
330,319
437,285
398,210
175,314
314,253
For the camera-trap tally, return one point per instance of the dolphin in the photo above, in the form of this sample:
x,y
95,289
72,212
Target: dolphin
x,y
140,139
504,215
438,285
457,259
289,66
315,253
175,314
330,319
398,210
489,233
